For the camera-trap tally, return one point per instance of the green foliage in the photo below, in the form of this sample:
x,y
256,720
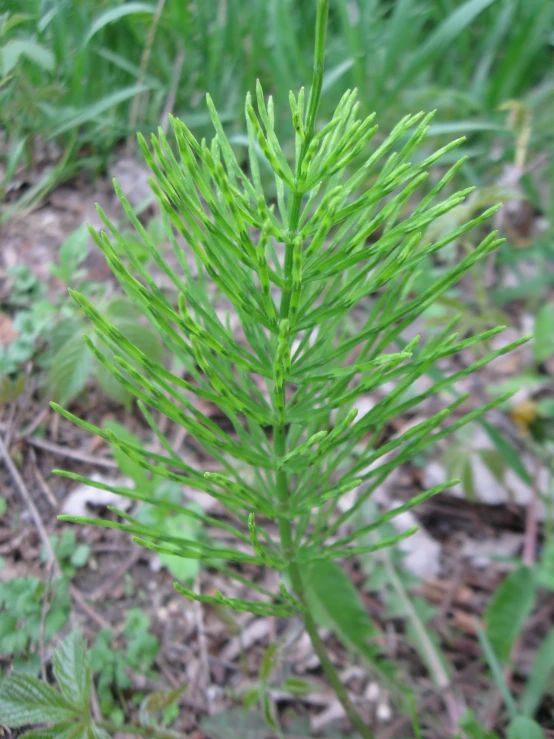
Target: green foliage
x,y
112,663
258,693
505,617
524,728
473,729
540,678
508,610
336,605
51,332
187,524
292,272
70,555
21,604
79,70
25,700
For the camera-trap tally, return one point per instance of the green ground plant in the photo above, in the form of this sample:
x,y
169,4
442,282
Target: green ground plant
x,y
23,615
293,275
66,713
49,330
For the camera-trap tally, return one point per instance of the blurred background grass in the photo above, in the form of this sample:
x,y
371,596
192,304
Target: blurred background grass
x,y
88,74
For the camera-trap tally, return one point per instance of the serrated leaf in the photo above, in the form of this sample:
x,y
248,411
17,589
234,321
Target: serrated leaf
x,y
51,732
72,671
26,700
336,604
61,731
524,728
508,610
70,370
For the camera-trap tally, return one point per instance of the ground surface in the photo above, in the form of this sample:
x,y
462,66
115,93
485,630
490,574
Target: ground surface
x,y
216,655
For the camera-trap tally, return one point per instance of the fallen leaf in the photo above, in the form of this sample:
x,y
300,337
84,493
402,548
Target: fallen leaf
x,y
77,502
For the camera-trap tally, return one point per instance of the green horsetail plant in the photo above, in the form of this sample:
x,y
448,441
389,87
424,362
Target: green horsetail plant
x,y
292,272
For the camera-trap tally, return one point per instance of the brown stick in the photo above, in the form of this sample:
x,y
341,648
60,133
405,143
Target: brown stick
x,y
49,495
22,489
79,456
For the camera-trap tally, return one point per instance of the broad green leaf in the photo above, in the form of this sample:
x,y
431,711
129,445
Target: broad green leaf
x,y
72,671
26,700
70,371
524,728
336,604
114,14
508,610
543,346
540,677
31,50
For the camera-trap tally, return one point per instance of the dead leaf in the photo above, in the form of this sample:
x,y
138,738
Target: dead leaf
x,y
77,502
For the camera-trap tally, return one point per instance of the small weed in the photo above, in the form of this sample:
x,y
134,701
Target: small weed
x,y
22,602
112,663
70,555
25,700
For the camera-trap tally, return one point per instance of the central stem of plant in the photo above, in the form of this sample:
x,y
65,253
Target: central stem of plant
x,y
279,430
295,576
